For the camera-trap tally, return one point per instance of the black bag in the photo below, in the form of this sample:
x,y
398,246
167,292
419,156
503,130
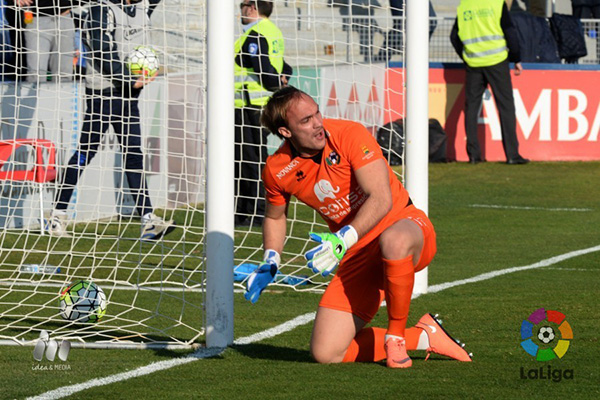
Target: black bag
x,y
391,140
437,142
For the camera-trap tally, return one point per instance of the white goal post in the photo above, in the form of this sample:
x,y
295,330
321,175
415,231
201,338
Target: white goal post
x,y
417,109
177,292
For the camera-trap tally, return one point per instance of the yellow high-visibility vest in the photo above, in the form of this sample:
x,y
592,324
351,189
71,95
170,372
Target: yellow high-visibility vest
x,y
480,32
247,84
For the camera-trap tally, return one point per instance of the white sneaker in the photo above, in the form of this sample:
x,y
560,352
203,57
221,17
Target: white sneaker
x,y
154,227
57,224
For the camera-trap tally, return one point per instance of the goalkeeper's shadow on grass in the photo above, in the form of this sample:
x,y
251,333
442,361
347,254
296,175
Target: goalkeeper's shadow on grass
x,y
276,353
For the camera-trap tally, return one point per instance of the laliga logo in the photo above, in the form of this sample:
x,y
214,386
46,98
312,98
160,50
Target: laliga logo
x,y
550,330
546,335
324,189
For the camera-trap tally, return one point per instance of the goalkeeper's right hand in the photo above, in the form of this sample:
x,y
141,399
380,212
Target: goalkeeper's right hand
x,y
262,276
325,257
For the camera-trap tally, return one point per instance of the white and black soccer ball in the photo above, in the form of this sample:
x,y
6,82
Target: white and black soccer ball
x,y
546,334
83,301
143,60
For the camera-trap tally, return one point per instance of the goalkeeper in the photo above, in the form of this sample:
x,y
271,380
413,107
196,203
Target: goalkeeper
x,y
381,239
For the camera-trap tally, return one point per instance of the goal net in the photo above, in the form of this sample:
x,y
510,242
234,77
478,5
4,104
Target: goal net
x,y
348,58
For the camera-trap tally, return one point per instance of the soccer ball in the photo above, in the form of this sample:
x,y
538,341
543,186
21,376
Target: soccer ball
x,y
83,301
143,60
546,334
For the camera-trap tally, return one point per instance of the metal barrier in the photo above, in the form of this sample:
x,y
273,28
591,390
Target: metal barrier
x,y
356,37
441,50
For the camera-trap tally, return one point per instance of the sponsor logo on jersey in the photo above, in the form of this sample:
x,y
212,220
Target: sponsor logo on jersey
x,y
287,169
339,208
367,153
324,189
130,33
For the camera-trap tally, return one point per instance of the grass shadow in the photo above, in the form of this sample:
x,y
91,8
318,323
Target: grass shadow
x,y
276,353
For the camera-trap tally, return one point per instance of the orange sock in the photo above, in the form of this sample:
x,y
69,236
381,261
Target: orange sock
x,y
398,287
412,336
368,344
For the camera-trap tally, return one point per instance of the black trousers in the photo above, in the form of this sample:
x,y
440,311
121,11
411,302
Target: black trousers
x,y
477,80
124,116
589,12
250,156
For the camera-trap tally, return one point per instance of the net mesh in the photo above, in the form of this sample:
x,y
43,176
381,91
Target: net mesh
x,y
349,60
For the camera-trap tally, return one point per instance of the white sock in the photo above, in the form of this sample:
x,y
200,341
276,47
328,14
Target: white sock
x,y
423,341
58,213
147,217
392,337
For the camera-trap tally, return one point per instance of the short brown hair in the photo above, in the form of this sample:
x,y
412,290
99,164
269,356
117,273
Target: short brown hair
x,y
264,7
274,113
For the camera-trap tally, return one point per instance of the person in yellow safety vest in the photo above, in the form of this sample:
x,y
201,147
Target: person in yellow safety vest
x,y
485,38
259,70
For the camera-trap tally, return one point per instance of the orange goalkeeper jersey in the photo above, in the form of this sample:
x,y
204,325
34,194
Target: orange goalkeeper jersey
x,y
327,183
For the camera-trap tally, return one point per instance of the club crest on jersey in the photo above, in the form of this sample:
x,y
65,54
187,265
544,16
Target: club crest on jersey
x,y
300,176
333,158
324,189
253,48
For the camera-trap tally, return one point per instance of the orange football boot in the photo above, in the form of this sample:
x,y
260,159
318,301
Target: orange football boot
x,y
395,349
440,341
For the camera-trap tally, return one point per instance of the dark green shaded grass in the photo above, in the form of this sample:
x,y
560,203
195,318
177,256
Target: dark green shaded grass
x,y
486,315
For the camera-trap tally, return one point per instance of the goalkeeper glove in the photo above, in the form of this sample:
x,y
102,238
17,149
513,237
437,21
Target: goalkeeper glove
x,y
262,276
325,257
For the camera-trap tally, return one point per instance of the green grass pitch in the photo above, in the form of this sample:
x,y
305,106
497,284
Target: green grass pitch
x,y
488,217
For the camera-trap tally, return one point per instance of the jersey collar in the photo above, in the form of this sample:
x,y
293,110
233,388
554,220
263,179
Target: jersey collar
x,y
316,158
247,27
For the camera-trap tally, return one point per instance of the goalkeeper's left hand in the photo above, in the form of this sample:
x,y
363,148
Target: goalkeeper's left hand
x,y
262,276
326,257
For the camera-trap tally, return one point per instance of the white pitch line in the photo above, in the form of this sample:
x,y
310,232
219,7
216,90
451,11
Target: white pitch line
x,y
574,269
497,206
285,327
145,370
489,275
167,364
279,329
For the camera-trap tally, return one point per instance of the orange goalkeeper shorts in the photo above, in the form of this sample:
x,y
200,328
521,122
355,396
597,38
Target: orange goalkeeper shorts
x,y
357,287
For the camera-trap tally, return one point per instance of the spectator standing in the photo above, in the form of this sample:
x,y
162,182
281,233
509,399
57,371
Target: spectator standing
x,y
395,36
111,30
484,37
49,39
260,69
7,48
397,11
358,17
588,9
